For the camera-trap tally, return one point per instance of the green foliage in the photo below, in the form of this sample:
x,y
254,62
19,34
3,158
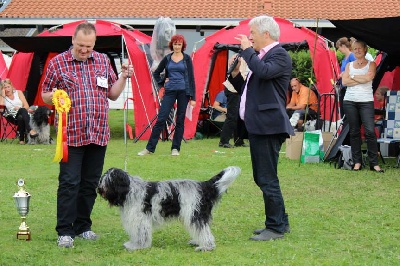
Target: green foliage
x,y
302,66
337,217
339,57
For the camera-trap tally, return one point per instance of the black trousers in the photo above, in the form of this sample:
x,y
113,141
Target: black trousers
x,y
78,180
22,121
264,151
229,127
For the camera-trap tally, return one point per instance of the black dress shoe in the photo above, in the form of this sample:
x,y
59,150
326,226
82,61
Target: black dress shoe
x,y
225,145
242,145
375,170
259,231
267,235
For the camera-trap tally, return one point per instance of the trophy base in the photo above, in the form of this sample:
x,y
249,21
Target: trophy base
x,y
24,236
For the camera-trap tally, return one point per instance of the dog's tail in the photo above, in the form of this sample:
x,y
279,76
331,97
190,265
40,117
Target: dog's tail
x,y
225,178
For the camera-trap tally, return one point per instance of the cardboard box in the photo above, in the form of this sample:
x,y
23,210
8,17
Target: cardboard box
x,y
294,144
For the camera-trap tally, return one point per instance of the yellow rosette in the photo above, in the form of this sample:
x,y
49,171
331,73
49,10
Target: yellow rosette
x,y
62,104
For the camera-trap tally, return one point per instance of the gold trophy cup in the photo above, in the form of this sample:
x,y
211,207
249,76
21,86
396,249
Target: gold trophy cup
x,y
22,203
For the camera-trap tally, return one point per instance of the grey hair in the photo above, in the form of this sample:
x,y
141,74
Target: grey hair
x,y
266,24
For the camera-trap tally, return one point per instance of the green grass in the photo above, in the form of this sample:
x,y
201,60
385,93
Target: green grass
x,y
337,217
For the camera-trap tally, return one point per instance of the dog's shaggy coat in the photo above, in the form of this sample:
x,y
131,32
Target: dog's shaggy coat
x,y
40,123
147,204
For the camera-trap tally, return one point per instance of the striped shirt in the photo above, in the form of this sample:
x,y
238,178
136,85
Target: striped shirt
x,y
88,116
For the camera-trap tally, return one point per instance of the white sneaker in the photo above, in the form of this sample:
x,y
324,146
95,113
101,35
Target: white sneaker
x,y
144,152
88,235
294,119
65,242
174,152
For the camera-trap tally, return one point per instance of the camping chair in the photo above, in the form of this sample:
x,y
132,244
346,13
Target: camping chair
x,y
314,116
213,125
8,130
391,124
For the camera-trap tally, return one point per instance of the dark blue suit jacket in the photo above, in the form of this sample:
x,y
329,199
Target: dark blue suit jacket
x,y
265,112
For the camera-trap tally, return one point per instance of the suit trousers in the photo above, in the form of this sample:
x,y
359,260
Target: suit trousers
x,y
264,152
76,194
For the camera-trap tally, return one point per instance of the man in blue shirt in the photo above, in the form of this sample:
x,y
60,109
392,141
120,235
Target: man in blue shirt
x,y
219,112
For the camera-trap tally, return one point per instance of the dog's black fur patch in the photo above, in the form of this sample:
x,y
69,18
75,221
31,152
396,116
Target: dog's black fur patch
x,y
210,196
170,205
151,190
41,115
118,189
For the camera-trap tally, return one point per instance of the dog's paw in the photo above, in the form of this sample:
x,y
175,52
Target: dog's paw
x,y
204,249
193,243
130,246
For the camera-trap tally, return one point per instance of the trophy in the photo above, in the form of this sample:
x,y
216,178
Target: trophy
x,y
22,203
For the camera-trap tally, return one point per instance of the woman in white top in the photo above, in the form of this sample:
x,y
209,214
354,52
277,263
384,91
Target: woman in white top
x,y
16,109
358,105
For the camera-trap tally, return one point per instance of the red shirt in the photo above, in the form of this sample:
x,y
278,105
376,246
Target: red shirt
x,y
88,116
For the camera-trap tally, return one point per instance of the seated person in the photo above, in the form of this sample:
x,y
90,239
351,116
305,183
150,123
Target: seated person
x,y
219,106
298,103
379,104
16,109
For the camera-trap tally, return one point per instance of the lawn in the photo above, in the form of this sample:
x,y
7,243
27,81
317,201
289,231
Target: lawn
x,y
337,217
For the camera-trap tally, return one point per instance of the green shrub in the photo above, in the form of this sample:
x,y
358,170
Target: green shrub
x,y
302,66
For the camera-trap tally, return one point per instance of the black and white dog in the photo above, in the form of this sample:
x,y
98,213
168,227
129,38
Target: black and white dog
x,y
146,204
40,123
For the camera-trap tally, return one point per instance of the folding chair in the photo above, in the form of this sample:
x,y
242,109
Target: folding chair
x,y
213,123
8,130
391,125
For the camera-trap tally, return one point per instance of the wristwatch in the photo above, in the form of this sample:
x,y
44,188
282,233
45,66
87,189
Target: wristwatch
x,y
352,76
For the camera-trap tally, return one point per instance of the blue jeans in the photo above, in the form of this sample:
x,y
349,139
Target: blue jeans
x,y
264,151
166,105
77,183
358,113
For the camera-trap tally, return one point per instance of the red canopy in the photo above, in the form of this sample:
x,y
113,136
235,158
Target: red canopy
x,y
134,42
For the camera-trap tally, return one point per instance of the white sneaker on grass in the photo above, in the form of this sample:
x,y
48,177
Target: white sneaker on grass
x,y
144,152
65,242
174,152
88,235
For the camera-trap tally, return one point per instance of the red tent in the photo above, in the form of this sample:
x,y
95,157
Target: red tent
x,y
34,53
3,67
210,65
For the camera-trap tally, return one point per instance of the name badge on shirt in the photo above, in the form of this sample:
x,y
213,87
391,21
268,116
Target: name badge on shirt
x,y
102,82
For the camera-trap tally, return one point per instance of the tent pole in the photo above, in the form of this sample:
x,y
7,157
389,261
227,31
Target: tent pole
x,y
127,106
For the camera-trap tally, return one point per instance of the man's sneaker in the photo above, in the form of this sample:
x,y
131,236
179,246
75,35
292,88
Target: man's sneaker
x,y
174,152
144,152
65,242
88,235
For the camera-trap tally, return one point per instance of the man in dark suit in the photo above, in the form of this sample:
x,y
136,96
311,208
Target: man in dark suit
x,y
263,109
